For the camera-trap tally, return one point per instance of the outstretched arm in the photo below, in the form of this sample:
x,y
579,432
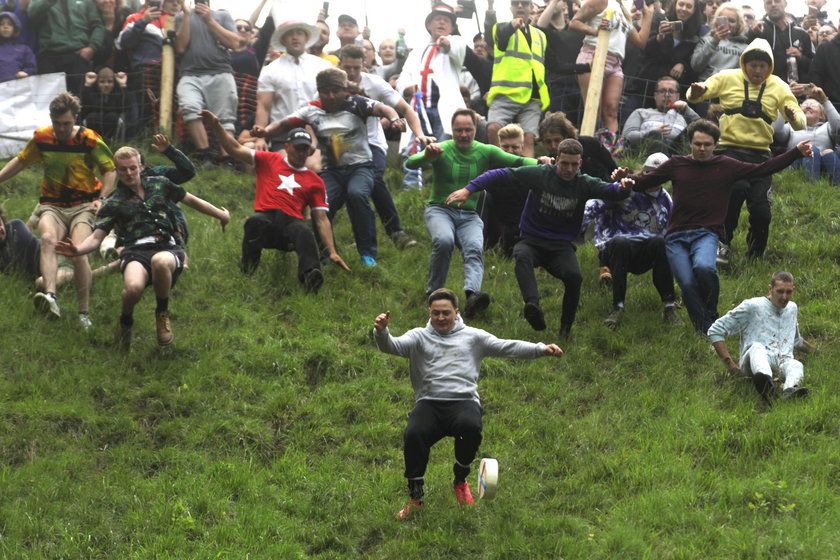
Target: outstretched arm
x,y
15,166
205,207
326,233
229,144
381,321
91,242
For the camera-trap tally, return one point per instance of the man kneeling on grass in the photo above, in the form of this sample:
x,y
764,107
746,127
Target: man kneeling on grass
x,y
140,212
769,333
444,361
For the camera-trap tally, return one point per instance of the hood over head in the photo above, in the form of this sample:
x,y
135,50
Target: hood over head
x,y
758,49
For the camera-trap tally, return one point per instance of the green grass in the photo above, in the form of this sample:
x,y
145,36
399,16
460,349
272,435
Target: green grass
x,y
272,428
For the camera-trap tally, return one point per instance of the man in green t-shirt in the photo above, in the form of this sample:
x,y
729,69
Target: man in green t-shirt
x,y
456,162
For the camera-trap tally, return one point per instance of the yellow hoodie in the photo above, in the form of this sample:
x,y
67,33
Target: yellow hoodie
x,y
738,130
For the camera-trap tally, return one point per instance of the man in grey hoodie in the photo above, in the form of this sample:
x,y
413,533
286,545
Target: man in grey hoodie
x,y
444,361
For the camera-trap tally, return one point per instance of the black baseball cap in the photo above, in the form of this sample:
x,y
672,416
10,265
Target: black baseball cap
x,y
298,137
345,18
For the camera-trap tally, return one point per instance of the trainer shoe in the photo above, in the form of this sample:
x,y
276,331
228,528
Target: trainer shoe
x,y
670,317
407,511
535,316
614,318
795,392
722,254
476,303
122,335
764,385
463,494
402,240
605,277
312,280
368,261
47,304
84,321
164,328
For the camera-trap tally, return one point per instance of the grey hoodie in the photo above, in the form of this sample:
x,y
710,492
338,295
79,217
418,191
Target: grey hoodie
x,y
445,366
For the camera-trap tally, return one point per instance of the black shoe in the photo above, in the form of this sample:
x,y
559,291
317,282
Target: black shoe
x,y
613,320
565,331
313,279
476,303
795,392
535,316
764,385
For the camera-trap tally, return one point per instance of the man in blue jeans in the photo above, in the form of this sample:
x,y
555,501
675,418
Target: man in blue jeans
x,y
340,123
702,183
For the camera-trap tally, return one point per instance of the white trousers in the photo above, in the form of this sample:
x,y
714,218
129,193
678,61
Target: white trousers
x,y
757,359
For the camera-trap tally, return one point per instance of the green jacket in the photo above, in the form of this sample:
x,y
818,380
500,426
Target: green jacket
x,y
65,26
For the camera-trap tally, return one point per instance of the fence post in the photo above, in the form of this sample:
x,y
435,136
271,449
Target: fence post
x,y
596,81
167,77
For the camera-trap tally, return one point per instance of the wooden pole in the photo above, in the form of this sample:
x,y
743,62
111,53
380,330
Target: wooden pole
x,y
596,82
167,78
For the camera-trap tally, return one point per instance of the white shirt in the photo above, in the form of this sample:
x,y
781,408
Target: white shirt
x,y
378,89
292,81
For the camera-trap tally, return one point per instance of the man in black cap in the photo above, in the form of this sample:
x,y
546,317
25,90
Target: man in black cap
x,y
348,30
278,221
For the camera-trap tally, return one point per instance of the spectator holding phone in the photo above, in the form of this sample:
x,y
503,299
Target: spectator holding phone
x,y
721,48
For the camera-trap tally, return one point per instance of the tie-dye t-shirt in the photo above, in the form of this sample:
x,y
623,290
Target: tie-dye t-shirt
x,y
69,167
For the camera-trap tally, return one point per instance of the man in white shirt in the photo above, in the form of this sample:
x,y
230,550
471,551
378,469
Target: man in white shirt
x,y
351,60
288,83
769,333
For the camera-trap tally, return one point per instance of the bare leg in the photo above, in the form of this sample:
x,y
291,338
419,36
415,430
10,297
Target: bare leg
x,y
51,231
81,267
135,278
528,148
163,265
493,133
610,97
198,135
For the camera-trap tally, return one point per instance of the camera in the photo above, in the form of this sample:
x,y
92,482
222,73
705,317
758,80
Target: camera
x,y
752,109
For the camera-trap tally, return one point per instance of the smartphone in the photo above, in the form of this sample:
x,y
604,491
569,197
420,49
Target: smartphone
x,y
202,1
155,4
467,9
813,10
676,26
722,22
326,9
639,4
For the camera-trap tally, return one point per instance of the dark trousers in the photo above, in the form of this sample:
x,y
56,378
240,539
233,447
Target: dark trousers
x,y
431,421
637,256
277,230
560,260
72,64
756,193
381,196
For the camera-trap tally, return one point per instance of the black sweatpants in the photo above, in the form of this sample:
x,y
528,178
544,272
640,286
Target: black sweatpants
x,y
756,192
277,230
429,422
560,260
637,256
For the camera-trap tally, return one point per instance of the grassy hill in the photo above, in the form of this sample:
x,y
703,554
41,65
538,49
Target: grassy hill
x,y
272,428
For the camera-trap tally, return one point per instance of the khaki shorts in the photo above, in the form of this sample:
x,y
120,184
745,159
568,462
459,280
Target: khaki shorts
x,y
504,111
70,216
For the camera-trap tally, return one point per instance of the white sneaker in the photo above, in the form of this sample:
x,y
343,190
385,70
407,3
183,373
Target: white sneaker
x,y
47,304
108,246
722,254
84,321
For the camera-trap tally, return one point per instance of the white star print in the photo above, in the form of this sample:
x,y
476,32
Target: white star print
x,y
288,184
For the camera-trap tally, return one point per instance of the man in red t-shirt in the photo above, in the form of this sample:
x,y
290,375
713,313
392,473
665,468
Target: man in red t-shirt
x,y
284,188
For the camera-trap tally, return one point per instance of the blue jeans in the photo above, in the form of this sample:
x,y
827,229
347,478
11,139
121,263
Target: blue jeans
x,y
692,254
353,185
828,164
448,227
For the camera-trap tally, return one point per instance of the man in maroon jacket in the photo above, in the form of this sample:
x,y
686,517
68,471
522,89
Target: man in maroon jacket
x,y
702,183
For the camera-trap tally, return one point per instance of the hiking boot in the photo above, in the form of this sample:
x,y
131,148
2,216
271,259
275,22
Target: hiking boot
x,y
535,316
122,335
476,303
722,254
614,318
368,261
164,328
47,304
795,392
670,317
463,494
407,511
84,321
312,280
605,277
402,240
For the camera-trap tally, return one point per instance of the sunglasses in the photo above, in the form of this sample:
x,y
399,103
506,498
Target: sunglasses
x,y
246,28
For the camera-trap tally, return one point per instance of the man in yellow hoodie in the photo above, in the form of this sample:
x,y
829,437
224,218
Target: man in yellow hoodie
x,y
751,97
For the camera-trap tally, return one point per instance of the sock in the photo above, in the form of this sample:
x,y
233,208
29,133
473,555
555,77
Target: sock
x,y
461,472
619,305
162,305
127,320
669,305
415,489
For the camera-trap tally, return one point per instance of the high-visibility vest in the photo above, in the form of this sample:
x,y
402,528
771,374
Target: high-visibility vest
x,y
513,69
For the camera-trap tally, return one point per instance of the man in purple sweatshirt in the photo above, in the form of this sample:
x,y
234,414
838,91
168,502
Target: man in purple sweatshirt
x,y
549,224
702,183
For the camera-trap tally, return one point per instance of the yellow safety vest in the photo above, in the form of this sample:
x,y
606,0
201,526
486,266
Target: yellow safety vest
x,y
513,68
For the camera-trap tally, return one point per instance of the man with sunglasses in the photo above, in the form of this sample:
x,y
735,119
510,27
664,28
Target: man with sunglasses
x,y
278,220
662,128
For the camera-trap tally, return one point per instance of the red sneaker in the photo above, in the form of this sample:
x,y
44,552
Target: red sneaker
x,y
413,505
462,494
